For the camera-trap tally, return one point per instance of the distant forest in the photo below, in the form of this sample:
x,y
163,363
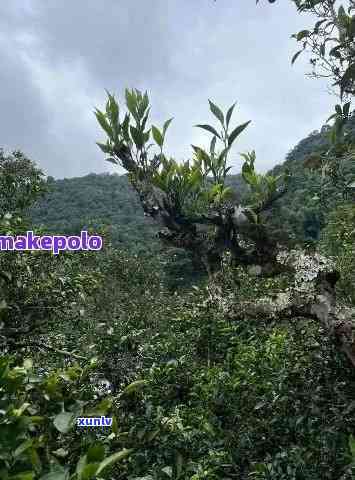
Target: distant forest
x,y
98,200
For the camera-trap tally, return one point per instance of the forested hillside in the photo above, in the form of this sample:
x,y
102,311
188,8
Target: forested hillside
x,y
73,204
211,334
302,212
97,200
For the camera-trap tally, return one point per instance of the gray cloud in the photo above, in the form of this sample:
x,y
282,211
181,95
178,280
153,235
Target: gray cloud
x,y
58,57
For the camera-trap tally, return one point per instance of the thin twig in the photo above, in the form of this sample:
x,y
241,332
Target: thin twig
x,y
53,349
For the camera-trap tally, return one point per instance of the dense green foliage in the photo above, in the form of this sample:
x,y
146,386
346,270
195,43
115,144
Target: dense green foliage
x,y
330,42
303,211
194,393
38,414
96,200
338,240
104,199
198,388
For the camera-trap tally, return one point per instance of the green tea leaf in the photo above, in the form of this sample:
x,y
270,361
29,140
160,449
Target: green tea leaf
x,y
229,114
64,421
131,101
80,465
28,476
302,34
352,446
134,386
217,112
209,129
236,132
112,108
137,136
213,145
157,135
95,453
57,473
296,55
101,118
111,160
89,471
22,448
104,147
166,125
346,109
116,457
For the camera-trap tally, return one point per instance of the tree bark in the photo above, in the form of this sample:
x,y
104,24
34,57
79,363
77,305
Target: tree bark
x,y
312,295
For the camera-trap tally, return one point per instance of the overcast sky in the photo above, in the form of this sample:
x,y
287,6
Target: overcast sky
x,y
57,57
